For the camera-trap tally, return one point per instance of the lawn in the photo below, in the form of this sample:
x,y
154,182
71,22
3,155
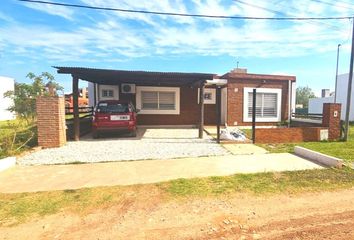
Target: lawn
x,y
343,150
17,208
16,136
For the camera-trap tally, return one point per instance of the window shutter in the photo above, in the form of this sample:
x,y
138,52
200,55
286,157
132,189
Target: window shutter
x,y
167,101
266,105
270,105
149,100
258,104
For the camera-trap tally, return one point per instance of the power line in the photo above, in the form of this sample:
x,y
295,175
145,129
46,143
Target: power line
x,y
185,14
284,14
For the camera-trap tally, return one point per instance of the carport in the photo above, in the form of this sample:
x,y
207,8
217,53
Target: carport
x,y
141,78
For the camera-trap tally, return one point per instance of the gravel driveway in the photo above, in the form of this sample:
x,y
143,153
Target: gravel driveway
x,y
149,144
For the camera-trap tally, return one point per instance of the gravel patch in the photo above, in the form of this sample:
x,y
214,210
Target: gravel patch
x,y
149,144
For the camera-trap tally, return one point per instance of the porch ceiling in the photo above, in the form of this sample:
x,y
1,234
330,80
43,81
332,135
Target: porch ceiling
x,y
112,77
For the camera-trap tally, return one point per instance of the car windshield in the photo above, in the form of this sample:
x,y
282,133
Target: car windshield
x,y
113,107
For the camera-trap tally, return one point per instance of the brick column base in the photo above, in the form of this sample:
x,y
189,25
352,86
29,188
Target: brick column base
x,y
51,121
331,119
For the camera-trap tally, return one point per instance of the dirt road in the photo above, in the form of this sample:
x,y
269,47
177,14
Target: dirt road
x,y
326,215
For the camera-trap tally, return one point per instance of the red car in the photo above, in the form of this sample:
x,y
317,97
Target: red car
x,y
114,116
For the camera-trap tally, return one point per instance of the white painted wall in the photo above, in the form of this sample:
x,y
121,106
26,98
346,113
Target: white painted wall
x,y
342,91
115,89
223,105
99,96
315,104
6,84
293,97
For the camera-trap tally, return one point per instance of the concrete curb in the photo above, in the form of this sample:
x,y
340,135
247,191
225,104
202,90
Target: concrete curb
x,y
321,158
7,163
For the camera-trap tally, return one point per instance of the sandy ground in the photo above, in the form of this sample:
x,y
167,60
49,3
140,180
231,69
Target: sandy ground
x,y
326,215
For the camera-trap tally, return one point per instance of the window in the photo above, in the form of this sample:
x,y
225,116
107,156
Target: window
x,y
268,104
107,93
108,107
157,100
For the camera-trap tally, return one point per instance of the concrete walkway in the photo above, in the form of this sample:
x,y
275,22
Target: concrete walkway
x,y
60,177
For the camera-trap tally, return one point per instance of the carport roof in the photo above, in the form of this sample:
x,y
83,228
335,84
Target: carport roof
x,y
110,76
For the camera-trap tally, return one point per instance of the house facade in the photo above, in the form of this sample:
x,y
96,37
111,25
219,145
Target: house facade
x,y
166,103
6,84
316,104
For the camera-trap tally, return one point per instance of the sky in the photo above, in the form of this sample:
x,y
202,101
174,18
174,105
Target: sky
x,y
34,37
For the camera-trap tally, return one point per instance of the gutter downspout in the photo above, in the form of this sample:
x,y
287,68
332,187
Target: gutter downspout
x,y
290,92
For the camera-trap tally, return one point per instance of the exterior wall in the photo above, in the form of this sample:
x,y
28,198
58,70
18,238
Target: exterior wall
x,y
331,119
6,84
288,135
51,121
316,104
235,94
342,91
330,123
189,111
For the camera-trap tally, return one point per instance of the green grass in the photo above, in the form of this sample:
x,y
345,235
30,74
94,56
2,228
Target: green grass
x,y
264,183
18,208
71,116
343,150
16,136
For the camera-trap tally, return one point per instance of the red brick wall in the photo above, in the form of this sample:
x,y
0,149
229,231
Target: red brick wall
x,y
51,121
331,121
189,111
288,135
235,99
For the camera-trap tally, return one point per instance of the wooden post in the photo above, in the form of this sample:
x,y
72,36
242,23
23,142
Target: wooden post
x,y
76,108
254,115
201,102
218,112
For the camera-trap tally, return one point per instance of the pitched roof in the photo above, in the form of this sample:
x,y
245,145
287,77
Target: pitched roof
x,y
110,76
252,76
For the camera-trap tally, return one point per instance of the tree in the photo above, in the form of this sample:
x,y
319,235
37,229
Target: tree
x,y
24,95
303,94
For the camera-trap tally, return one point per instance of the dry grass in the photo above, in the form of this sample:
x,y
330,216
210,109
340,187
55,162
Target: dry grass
x,y
17,208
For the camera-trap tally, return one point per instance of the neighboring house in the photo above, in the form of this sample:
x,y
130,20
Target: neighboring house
x,y
316,104
6,84
83,98
163,100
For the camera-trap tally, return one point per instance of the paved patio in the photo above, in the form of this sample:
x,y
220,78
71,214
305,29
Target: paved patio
x,y
60,177
150,143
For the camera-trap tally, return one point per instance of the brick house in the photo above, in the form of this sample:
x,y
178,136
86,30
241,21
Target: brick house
x,y
165,103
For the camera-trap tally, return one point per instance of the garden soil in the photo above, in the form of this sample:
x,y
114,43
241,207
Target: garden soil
x,y
320,215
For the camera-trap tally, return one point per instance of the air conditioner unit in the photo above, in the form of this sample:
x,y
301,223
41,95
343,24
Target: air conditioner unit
x,y
128,88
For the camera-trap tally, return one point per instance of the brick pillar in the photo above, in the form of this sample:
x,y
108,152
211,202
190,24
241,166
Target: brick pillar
x,y
51,121
331,119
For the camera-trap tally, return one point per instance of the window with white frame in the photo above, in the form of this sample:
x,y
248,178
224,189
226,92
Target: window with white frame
x,y
107,93
268,104
157,100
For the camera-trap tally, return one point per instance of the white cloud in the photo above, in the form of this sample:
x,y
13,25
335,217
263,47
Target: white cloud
x,y
114,36
6,17
64,12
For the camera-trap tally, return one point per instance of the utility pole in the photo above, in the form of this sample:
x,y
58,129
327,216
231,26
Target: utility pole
x,y
335,87
349,92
